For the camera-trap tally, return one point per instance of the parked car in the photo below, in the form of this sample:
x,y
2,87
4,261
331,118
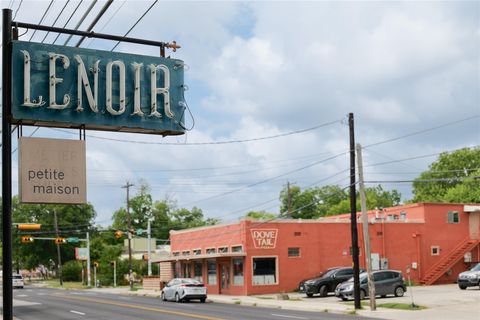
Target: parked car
x,y
328,281
301,284
17,281
469,278
386,282
184,289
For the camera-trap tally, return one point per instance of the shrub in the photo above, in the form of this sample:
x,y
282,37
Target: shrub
x,y
72,271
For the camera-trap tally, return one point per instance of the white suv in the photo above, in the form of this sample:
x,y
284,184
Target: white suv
x,y
17,281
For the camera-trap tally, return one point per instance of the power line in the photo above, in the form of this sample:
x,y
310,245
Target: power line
x,y
95,21
18,8
451,179
71,16
135,24
213,142
81,20
108,22
41,20
269,179
56,19
422,131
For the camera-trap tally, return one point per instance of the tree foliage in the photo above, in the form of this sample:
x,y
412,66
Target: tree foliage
x,y
261,215
330,200
461,171
71,219
165,215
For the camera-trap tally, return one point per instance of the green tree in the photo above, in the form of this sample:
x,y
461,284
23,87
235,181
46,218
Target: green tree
x,y
329,200
261,215
459,171
164,214
73,221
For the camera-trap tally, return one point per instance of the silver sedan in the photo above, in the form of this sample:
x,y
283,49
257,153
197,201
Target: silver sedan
x,y
183,289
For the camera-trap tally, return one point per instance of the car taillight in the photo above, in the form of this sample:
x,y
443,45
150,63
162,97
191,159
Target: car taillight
x,y
192,285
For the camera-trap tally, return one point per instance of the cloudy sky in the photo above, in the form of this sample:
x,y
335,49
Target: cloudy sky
x,y
263,69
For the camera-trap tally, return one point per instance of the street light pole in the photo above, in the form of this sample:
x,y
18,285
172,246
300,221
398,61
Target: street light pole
x,y
129,222
149,249
59,266
89,277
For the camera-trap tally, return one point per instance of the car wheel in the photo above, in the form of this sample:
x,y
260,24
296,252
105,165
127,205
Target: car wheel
x,y
462,287
399,292
309,295
177,298
323,291
362,294
344,298
202,300
383,296
163,297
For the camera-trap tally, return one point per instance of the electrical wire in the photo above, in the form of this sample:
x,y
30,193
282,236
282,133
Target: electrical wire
x,y
269,179
95,21
71,16
56,19
208,143
81,20
422,131
41,20
107,23
135,24
18,8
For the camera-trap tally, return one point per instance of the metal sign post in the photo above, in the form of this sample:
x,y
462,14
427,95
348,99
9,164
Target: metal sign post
x,y
7,164
170,121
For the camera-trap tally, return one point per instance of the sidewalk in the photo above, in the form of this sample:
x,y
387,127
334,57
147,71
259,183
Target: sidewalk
x,y
442,302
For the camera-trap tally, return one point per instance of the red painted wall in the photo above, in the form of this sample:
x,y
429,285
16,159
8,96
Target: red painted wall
x,y
326,243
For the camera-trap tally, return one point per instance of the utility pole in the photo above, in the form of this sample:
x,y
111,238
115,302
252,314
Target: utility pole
x,y
289,199
353,216
366,235
129,222
58,248
149,249
89,276
114,273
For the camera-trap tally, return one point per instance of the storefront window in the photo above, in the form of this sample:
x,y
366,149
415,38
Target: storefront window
x,y
238,272
178,269
197,266
212,272
237,249
264,271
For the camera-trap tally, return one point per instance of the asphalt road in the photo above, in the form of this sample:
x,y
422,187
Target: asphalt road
x,y
56,304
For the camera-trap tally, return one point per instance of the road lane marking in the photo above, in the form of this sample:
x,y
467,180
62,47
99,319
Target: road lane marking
x,y
133,306
21,295
285,316
77,312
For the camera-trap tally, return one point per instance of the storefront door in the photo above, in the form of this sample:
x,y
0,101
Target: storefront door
x,y
224,276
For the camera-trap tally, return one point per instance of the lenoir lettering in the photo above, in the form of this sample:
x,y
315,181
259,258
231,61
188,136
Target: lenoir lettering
x,y
83,85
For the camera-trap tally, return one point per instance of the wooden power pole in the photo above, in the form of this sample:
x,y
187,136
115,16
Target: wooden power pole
x,y
129,233
366,236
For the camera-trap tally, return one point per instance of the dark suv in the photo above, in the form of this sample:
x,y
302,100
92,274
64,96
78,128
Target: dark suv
x,y
328,281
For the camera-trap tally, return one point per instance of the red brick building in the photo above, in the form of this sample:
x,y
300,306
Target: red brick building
x,y
437,241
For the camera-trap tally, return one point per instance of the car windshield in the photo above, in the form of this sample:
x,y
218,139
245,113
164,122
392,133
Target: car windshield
x,y
476,268
329,273
190,281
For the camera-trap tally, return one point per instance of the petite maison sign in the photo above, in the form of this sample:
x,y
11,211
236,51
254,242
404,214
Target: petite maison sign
x,y
102,90
264,238
52,171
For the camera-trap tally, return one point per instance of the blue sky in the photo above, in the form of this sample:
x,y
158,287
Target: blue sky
x,y
259,69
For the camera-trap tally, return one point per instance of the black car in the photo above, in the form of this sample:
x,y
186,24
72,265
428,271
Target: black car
x,y
328,281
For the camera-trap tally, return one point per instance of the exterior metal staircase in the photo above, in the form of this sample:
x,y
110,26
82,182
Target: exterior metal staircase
x,y
439,268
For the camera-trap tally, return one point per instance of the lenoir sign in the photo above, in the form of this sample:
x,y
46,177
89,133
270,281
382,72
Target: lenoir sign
x,y
92,89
